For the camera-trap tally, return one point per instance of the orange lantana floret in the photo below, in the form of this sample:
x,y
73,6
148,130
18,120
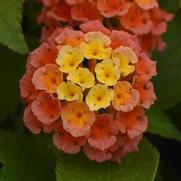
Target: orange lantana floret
x,y
139,24
46,108
47,78
125,97
77,118
102,134
133,123
145,87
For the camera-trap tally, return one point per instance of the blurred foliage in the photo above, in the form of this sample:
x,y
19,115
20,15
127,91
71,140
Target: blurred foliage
x,y
168,62
11,69
26,158
135,167
170,5
161,124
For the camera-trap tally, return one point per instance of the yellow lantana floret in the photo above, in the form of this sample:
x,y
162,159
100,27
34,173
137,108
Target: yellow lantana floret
x,y
108,71
83,77
69,91
127,58
98,97
96,46
69,58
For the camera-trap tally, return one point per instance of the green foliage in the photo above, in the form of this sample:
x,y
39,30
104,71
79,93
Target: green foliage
x,y
11,69
10,25
167,83
138,166
170,5
159,178
25,158
162,125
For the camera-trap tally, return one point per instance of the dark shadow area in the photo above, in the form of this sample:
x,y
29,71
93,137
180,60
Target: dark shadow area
x,y
170,157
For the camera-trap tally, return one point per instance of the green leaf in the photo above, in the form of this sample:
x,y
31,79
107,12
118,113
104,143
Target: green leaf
x,y
10,25
138,166
159,177
12,67
170,5
25,158
160,124
167,83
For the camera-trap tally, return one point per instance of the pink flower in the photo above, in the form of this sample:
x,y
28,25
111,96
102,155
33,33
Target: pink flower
x,y
50,23
42,55
150,42
116,14
47,78
139,24
133,123
146,66
69,37
102,133
123,146
95,25
96,155
145,87
77,118
31,121
122,38
26,86
131,144
60,12
160,19
112,8
125,97
66,142
81,12
46,108
49,128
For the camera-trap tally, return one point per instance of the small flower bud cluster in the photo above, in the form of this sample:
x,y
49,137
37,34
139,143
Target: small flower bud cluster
x,y
143,18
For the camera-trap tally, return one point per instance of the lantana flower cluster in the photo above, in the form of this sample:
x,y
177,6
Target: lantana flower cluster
x,y
90,88
143,18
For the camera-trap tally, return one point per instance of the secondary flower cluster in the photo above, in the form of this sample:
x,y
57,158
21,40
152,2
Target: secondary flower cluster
x,y
90,88
141,17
